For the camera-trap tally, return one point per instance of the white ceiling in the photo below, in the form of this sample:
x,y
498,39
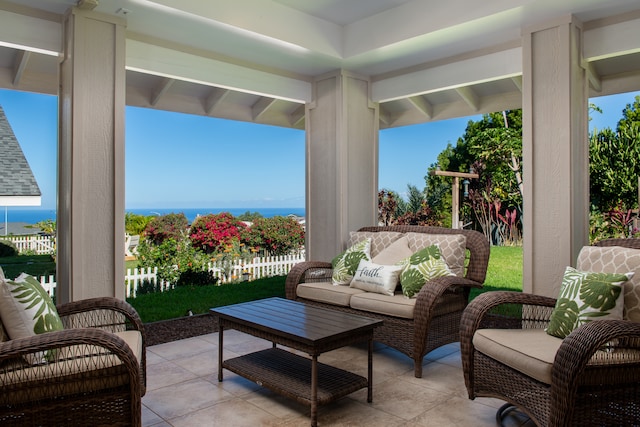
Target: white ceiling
x,y
301,39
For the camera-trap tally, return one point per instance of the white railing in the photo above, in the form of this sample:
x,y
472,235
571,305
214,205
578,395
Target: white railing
x,y
41,245
257,268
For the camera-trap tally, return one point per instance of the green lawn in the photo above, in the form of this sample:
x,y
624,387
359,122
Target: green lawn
x,y
505,269
35,265
199,299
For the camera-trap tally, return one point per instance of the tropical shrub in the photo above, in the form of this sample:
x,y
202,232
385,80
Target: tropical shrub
x,y
278,235
212,233
7,248
173,258
165,227
136,224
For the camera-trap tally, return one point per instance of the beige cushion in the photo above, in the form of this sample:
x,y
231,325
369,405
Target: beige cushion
x,y
395,252
396,305
327,292
452,247
379,240
616,259
372,277
530,351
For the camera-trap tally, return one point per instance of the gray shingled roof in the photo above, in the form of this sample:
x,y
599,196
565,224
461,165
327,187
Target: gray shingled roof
x,y
16,177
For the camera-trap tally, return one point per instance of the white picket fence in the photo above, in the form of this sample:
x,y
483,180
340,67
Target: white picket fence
x,y
40,245
257,268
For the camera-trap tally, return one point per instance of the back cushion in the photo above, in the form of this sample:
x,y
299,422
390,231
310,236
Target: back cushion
x,y
453,248
379,240
616,259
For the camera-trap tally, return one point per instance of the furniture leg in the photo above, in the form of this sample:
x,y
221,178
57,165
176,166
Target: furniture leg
x,y
220,339
314,390
370,370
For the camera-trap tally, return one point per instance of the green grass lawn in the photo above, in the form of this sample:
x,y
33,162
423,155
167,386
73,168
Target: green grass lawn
x,y
199,299
505,270
35,265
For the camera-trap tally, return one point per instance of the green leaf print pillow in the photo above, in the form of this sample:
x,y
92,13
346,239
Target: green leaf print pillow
x,y
346,264
420,267
26,309
586,296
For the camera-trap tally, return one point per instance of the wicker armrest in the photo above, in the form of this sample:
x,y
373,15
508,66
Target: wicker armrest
x,y
306,271
66,362
477,312
594,351
106,313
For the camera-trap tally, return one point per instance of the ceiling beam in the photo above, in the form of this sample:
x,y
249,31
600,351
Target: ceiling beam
x,y
384,115
592,75
422,105
297,116
517,80
161,89
469,96
20,65
216,96
261,106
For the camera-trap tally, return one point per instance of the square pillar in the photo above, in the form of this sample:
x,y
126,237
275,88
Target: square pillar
x,y
90,217
555,153
342,162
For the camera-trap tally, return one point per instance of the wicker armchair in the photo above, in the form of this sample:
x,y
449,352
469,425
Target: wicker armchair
x,y
439,304
97,376
591,378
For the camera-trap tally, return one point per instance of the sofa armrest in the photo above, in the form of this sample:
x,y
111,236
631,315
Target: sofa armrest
x,y
308,271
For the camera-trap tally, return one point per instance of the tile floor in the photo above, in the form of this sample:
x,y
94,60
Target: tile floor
x,y
183,390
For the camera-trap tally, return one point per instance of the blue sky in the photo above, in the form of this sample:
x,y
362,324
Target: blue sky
x,y
183,161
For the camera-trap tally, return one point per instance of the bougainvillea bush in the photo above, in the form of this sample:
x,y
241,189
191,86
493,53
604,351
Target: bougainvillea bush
x,y
278,235
214,232
170,226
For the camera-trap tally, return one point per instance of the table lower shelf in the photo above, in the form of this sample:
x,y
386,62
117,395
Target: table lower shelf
x,y
289,374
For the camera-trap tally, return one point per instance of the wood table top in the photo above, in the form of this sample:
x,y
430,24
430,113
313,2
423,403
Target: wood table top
x,y
295,320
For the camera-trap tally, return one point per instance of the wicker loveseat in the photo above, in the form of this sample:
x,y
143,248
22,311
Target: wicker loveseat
x,y
96,377
589,378
413,326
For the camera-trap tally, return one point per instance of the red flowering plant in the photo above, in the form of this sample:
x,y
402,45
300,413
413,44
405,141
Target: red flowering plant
x,y
214,232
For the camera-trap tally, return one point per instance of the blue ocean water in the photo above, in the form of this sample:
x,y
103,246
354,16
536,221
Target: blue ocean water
x,y
32,216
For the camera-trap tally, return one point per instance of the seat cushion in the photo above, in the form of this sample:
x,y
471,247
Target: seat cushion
x,y
530,351
326,292
397,305
453,248
616,259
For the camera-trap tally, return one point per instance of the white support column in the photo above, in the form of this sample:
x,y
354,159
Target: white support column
x,y
90,217
342,162
555,153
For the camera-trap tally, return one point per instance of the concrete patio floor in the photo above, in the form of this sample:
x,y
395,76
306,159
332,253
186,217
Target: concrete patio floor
x,y
183,390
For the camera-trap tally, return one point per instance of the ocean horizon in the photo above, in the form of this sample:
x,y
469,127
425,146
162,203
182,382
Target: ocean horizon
x,y
33,216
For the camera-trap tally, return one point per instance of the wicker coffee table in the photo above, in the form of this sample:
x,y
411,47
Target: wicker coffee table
x,y
312,330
